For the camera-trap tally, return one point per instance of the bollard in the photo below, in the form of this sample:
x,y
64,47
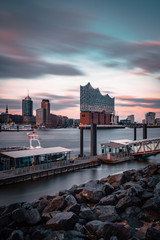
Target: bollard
x,y
93,139
144,131
81,141
135,133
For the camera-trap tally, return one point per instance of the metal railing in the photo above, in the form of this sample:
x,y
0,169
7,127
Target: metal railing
x,y
45,166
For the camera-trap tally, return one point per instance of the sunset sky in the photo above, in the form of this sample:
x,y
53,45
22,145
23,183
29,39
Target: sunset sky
x,y
52,47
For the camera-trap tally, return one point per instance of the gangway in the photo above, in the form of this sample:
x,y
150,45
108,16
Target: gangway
x,y
144,147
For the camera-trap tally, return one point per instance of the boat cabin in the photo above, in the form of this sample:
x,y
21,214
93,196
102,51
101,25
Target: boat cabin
x,y
31,157
115,148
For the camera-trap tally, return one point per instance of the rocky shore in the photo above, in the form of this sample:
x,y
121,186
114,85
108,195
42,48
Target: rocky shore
x,y
118,207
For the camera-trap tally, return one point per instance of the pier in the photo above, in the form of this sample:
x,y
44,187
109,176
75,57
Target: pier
x,y
45,170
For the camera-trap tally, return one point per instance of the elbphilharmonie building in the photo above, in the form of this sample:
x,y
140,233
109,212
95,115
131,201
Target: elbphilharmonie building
x,y
95,107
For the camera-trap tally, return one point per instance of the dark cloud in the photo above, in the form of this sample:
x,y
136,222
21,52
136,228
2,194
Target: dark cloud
x,y
141,102
143,55
32,29
23,68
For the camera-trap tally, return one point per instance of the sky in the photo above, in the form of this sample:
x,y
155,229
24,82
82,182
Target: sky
x,y
50,48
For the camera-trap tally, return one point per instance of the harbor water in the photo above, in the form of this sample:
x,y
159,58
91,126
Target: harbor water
x,y
69,138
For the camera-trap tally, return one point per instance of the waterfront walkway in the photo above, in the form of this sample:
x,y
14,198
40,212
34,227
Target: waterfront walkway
x,y
46,169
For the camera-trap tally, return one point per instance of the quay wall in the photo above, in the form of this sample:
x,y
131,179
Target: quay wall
x,y
33,175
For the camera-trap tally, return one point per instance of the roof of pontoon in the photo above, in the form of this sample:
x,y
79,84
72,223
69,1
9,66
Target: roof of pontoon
x,y
35,152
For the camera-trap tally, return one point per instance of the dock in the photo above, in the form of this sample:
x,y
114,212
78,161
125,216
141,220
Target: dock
x,y
46,170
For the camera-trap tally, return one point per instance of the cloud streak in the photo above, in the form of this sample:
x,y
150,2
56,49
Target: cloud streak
x,y
129,101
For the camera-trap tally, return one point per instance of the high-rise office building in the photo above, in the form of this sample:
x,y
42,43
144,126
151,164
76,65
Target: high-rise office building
x,y
46,106
94,107
27,110
150,118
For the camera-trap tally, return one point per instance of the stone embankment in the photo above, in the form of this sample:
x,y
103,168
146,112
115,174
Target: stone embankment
x,y
119,207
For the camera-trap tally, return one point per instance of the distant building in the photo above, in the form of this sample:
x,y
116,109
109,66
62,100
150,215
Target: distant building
x,y
27,110
131,118
46,106
157,121
125,122
40,117
94,107
150,118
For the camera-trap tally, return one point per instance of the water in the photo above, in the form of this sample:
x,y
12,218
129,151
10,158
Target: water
x,y
69,138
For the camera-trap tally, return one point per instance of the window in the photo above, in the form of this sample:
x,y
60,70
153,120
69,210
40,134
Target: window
x,y
83,115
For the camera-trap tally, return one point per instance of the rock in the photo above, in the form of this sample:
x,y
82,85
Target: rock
x,y
47,197
41,233
87,214
70,199
112,229
29,216
107,213
17,235
62,221
135,190
127,201
107,188
5,220
75,208
93,226
92,195
57,203
117,178
152,204
79,227
93,184
153,181
152,234
120,194
75,235
109,200
146,195
10,208
42,204
79,197
157,189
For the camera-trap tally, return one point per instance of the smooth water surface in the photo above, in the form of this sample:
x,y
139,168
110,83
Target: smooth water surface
x,y
69,138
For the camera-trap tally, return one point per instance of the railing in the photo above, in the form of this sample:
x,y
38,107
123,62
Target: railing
x,y
45,166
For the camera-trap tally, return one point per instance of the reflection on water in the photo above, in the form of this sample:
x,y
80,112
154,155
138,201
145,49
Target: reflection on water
x,y
29,191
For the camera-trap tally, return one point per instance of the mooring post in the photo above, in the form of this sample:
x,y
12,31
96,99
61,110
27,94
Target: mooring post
x,y
17,128
135,133
93,139
81,141
144,131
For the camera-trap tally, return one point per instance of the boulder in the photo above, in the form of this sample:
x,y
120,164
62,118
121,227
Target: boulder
x,y
112,229
127,201
57,203
17,235
93,226
152,234
29,216
109,200
107,188
92,195
42,204
70,199
87,214
41,233
152,204
62,221
10,208
157,189
153,181
117,178
107,213
75,208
